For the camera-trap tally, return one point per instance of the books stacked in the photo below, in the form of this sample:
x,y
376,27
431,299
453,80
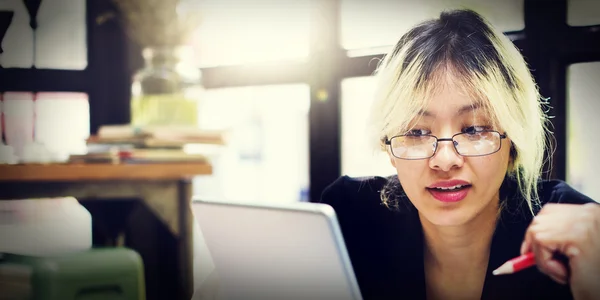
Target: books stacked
x,y
127,144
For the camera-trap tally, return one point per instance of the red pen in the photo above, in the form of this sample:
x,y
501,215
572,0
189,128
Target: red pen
x,y
516,264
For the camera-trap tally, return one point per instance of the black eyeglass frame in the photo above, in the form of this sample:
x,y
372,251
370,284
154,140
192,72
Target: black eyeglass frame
x,y
451,139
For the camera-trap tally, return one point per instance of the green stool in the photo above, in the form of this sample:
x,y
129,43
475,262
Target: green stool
x,y
107,273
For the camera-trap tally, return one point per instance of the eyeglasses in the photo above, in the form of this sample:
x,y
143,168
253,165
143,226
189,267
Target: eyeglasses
x,y
479,143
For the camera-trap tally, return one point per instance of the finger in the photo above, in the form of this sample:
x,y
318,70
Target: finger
x,y
551,231
529,235
558,271
558,279
542,256
564,243
550,221
525,247
538,225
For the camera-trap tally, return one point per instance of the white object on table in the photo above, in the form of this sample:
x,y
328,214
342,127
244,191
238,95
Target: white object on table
x,y
18,109
62,123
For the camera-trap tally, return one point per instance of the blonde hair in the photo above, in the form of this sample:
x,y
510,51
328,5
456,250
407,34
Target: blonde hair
x,y
487,65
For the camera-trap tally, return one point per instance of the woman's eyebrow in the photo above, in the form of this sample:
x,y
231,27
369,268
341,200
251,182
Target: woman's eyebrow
x,y
464,109
468,108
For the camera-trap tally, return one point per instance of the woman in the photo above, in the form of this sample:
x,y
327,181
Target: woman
x,y
461,119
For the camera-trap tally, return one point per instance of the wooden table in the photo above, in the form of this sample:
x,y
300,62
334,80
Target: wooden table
x,y
166,190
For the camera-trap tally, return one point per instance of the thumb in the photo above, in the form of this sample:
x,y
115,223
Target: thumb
x,y
525,246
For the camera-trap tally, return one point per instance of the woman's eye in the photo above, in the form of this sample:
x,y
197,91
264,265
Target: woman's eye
x,y
474,129
418,132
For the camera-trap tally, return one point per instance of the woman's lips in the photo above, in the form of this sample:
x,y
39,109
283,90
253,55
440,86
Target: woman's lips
x,y
449,195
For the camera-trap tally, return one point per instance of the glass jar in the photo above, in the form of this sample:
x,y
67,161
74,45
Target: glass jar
x,y
167,90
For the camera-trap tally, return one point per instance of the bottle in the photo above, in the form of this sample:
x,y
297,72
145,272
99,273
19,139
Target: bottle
x,y
167,90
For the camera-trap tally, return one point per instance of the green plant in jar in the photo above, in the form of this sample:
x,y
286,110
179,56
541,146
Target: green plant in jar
x,y
166,91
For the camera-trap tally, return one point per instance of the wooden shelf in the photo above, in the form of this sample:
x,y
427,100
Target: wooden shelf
x,y
100,172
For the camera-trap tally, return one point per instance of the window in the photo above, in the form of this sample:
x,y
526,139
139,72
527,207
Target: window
x,y
583,12
372,24
582,145
236,32
359,156
60,37
267,140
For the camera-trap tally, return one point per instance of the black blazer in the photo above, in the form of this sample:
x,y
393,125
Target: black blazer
x,y
386,246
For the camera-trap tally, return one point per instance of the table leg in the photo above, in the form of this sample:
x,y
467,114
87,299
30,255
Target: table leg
x,y
185,240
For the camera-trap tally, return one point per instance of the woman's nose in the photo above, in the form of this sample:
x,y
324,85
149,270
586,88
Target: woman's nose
x,y
446,158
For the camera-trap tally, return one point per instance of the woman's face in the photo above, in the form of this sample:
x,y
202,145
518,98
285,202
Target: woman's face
x,y
448,113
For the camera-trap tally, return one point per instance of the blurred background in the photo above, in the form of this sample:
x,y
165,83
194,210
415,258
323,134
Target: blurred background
x,y
289,80
274,93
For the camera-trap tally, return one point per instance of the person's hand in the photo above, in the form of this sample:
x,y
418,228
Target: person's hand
x,y
571,231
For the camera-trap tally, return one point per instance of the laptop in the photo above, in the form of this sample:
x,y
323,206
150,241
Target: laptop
x,y
276,251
